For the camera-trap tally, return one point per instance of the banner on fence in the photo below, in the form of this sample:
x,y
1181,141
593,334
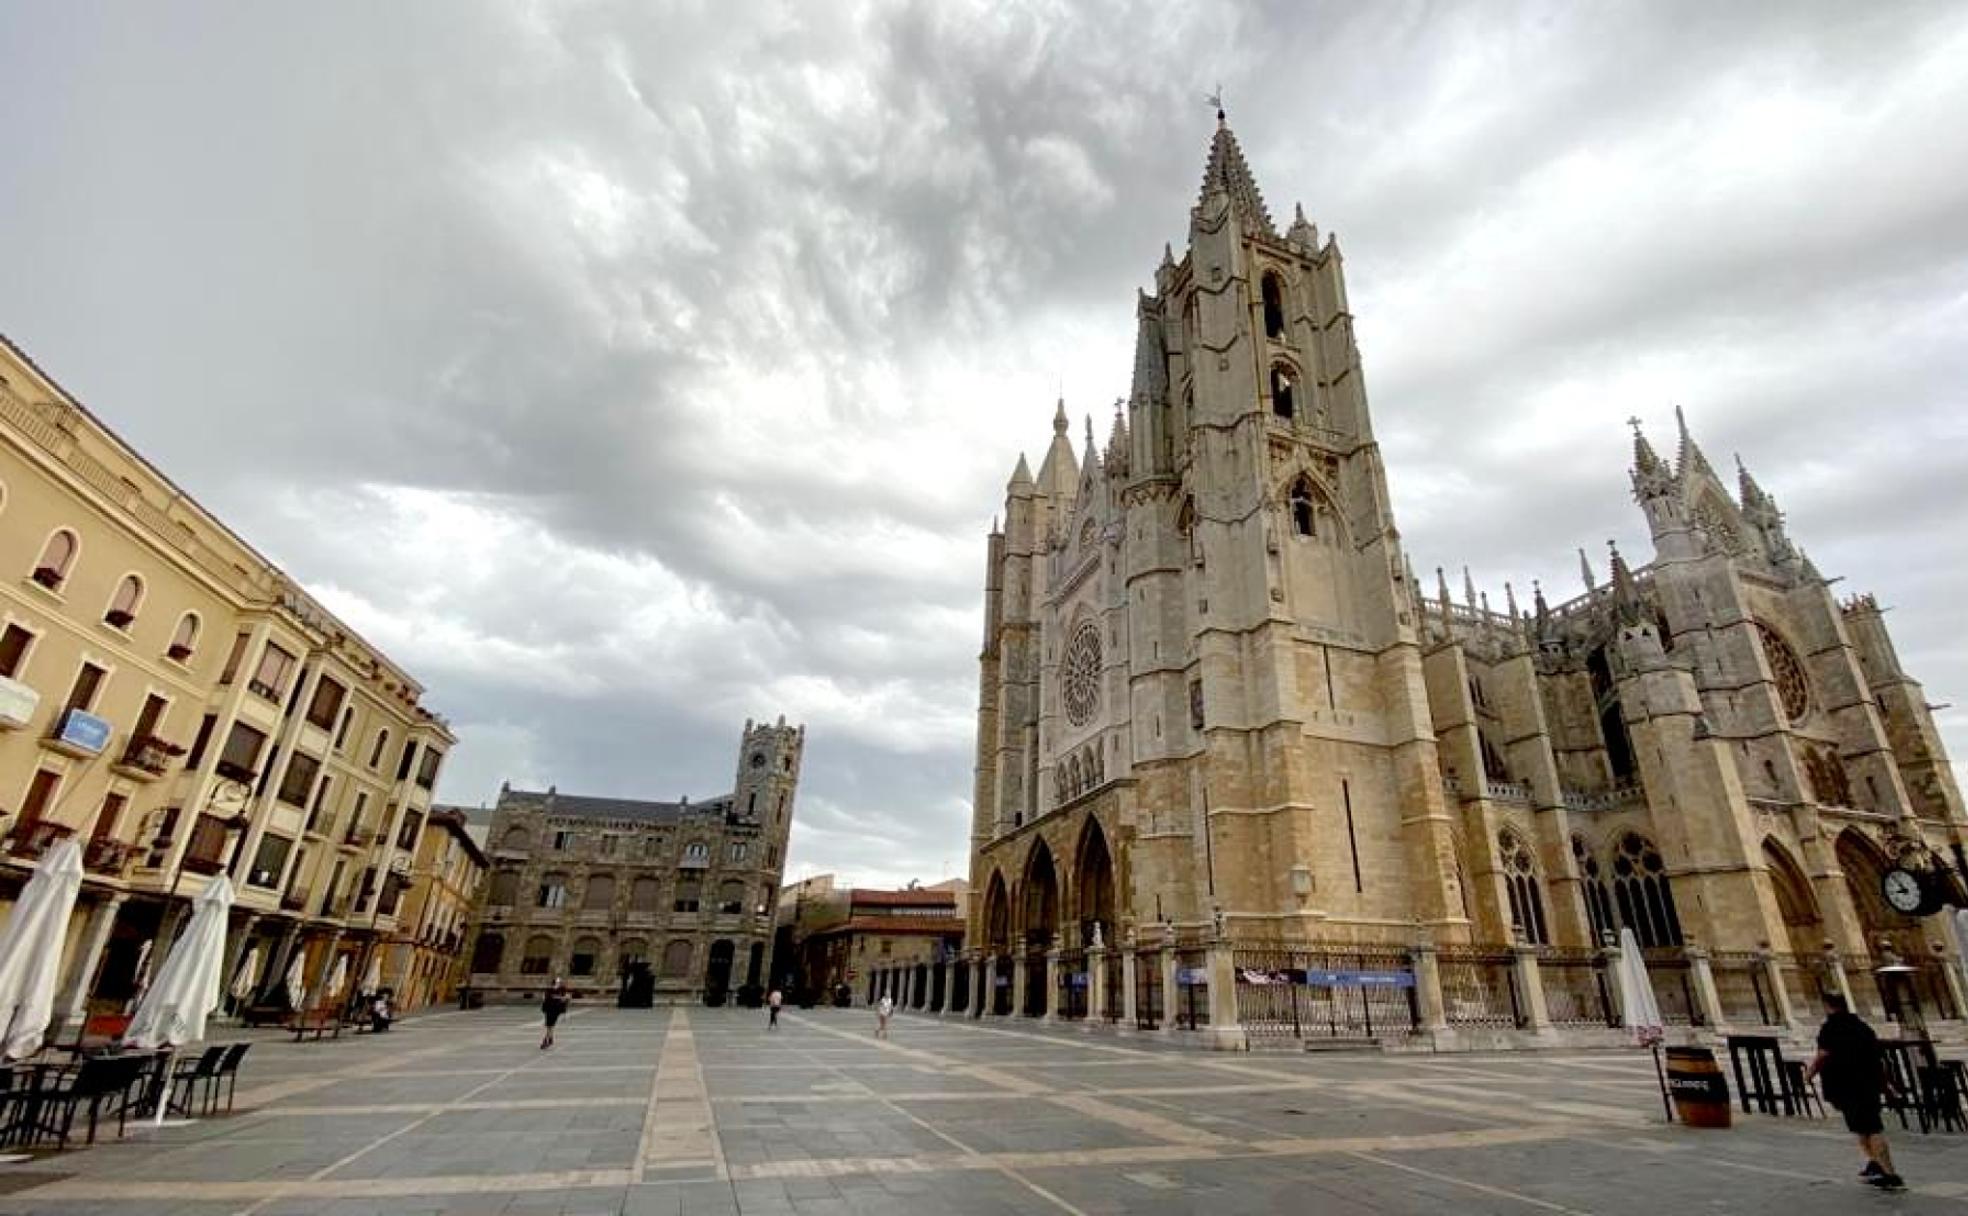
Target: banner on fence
x,y
1318,978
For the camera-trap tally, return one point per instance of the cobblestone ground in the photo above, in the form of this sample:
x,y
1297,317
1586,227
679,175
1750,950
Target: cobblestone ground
x,y
705,1111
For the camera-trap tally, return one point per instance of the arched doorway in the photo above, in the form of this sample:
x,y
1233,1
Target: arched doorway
x,y
717,972
1040,909
1093,885
1803,926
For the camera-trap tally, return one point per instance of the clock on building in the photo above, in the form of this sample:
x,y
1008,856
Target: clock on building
x,y
1904,891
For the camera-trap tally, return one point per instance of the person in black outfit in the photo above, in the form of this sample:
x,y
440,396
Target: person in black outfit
x,y
551,1007
1854,1076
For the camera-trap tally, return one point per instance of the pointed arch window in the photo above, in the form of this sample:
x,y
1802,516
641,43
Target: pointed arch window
x,y
122,611
1521,882
184,641
1642,894
57,557
1284,391
1304,513
1598,900
1274,305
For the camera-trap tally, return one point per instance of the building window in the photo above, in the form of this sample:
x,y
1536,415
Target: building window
x,y
600,895
1521,881
376,752
122,611
696,854
315,812
270,680
538,957
643,894
342,731
516,839
1274,306
106,817
427,769
504,892
553,891
269,861
13,651
1304,516
184,641
689,892
488,954
736,851
200,742
57,556
731,898
88,685
582,961
1642,893
326,704
298,781
240,757
887,947
234,658
1284,387
676,960
40,791
563,841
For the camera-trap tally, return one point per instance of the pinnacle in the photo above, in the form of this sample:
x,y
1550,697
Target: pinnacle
x,y
1226,171
1059,417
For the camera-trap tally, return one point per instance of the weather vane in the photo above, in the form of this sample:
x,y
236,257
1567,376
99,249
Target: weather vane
x,y
1216,99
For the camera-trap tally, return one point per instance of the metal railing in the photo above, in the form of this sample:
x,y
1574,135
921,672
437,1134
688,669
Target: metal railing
x,y
1071,1002
1674,991
1742,989
1324,990
1479,988
1577,988
1148,996
1113,975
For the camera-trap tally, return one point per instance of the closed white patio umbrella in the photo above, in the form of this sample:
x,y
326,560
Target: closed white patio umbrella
x,y
249,975
296,982
337,979
1638,1008
31,949
372,979
186,989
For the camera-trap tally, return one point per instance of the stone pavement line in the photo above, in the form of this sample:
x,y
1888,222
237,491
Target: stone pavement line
x,y
679,1128
1479,1187
418,1108
1160,1127
986,1161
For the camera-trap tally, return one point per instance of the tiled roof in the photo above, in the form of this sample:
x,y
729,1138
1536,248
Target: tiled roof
x,y
916,898
583,806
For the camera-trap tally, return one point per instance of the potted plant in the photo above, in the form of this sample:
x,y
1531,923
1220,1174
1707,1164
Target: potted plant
x,y
47,576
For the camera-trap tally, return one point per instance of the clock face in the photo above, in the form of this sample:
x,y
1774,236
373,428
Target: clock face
x,y
1903,891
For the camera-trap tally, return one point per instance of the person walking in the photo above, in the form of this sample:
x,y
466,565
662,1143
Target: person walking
x,y
1854,1071
772,1002
551,1007
883,1011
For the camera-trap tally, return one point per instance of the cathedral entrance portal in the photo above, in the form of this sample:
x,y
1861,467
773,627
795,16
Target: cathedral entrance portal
x,y
1093,885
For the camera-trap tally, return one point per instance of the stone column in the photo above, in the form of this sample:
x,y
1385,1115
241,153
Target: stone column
x,y
1171,991
1051,1003
1428,988
1096,962
1530,988
72,1004
980,996
1130,977
1779,992
1702,975
1018,981
1226,1031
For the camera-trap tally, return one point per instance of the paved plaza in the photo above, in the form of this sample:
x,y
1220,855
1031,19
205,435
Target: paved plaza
x,y
705,1111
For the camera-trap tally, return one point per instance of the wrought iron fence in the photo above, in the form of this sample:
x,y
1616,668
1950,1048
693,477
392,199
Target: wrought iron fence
x,y
1035,984
1742,989
1807,980
1577,988
1479,988
1148,1011
1001,985
960,986
1071,1002
1113,974
1674,990
1311,990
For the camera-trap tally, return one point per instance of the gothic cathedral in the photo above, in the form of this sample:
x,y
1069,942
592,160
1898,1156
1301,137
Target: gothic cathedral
x,y
1215,701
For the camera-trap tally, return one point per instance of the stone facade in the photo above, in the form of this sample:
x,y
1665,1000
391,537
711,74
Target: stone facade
x,y
858,937
424,960
179,704
590,889
1215,705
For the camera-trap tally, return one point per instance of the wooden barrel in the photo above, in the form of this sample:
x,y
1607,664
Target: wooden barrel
x,y
1699,1090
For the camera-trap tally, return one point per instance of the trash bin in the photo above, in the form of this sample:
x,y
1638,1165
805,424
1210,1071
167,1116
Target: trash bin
x,y
1699,1090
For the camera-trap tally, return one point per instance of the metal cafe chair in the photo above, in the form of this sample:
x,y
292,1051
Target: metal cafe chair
x,y
228,1075
193,1073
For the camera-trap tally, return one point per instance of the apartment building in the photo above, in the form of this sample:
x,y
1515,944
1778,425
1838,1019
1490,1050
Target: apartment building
x,y
424,959
175,701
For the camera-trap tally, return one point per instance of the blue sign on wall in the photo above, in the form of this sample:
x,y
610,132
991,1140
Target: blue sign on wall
x,y
1195,977
1076,979
1359,979
83,730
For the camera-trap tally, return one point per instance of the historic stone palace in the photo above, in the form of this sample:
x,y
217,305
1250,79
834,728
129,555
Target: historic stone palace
x,y
662,901
1216,707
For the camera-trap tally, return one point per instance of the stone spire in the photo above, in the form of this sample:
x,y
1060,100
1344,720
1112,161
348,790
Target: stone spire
x,y
1585,571
1689,457
1753,498
1626,592
1150,353
1302,231
1227,172
1442,593
1510,600
1468,589
1059,472
1021,477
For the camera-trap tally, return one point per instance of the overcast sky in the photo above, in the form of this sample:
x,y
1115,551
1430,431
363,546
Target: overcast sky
x,y
628,370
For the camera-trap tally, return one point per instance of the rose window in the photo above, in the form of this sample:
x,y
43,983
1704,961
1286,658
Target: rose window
x,y
1080,675
1793,686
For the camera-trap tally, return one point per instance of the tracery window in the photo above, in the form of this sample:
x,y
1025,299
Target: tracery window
x,y
1274,305
1080,674
1598,901
1641,891
1793,686
1284,387
1304,514
1521,882
1713,522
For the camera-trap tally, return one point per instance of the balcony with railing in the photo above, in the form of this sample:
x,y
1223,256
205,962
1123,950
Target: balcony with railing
x,y
29,841
107,856
147,758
